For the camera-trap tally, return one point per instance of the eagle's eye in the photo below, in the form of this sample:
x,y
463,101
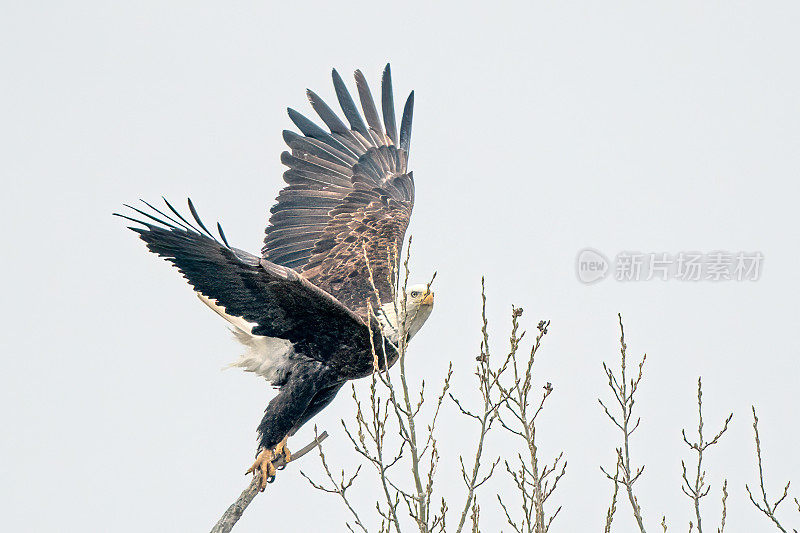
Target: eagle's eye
x,y
414,294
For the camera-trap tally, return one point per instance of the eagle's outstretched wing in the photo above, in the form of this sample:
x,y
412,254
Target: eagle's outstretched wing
x,y
349,194
275,299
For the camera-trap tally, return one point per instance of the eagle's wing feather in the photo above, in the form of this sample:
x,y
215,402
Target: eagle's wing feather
x,y
349,194
280,302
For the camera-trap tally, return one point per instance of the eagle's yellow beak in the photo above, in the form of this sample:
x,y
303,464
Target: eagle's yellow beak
x,y
428,299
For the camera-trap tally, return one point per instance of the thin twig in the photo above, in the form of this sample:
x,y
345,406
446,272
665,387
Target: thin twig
x,y
624,393
724,507
531,479
613,507
487,383
337,487
698,489
768,509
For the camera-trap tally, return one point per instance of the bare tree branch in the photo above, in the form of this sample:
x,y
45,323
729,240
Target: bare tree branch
x,y
531,479
698,489
236,509
624,391
487,383
338,487
764,506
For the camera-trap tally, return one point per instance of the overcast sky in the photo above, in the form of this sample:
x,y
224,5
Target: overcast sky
x,y
538,132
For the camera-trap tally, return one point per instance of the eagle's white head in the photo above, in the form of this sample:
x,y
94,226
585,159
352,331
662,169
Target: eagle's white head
x,y
419,304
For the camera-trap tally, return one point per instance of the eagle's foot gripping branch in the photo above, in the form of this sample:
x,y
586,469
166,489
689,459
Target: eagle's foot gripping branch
x,y
265,462
282,450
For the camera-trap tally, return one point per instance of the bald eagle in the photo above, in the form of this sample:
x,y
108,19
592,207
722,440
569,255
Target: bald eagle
x,y
311,308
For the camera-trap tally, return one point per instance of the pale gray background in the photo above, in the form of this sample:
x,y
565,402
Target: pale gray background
x,y
538,131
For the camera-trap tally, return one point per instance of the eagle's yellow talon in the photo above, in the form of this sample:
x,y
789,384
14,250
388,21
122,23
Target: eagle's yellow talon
x,y
263,464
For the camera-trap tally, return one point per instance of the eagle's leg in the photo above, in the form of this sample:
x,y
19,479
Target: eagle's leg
x,y
282,449
285,413
321,400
